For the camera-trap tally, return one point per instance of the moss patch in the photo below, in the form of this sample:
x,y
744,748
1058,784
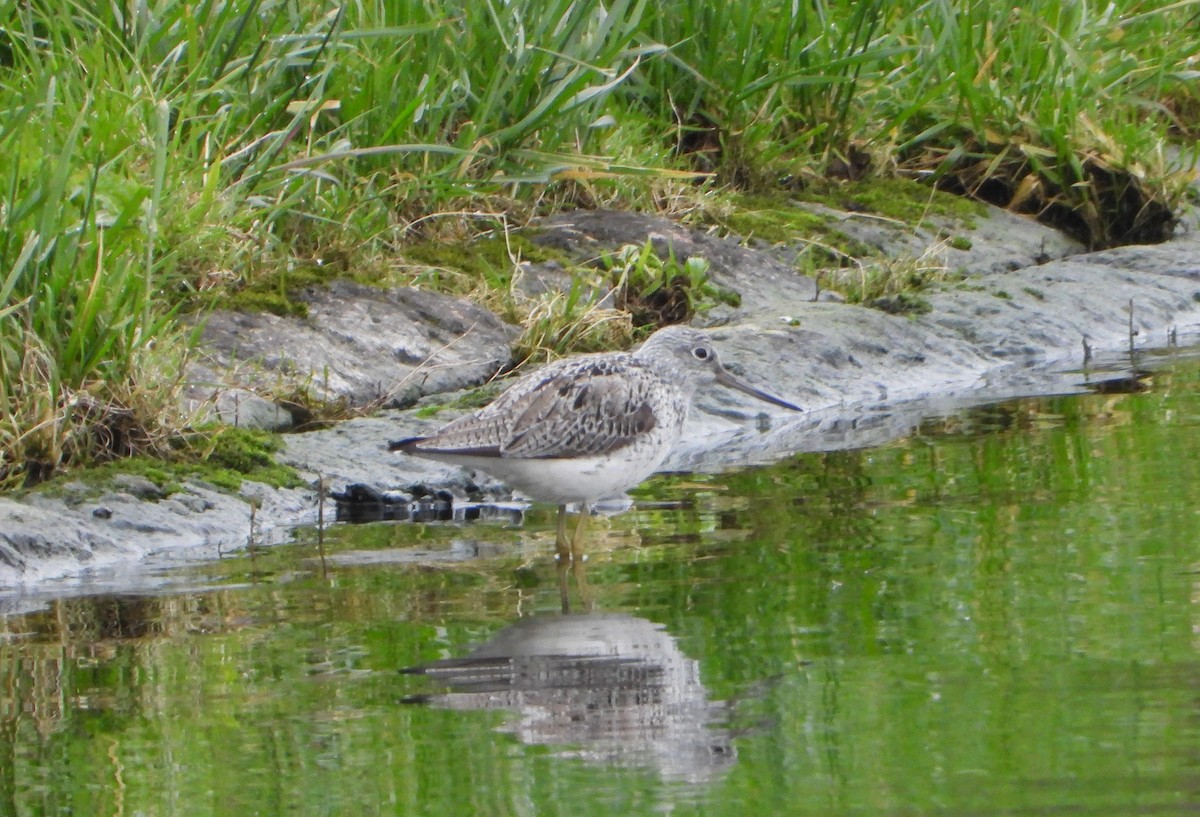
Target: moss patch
x,y
274,292
468,400
902,303
224,457
901,199
244,454
777,220
485,261
100,478
881,282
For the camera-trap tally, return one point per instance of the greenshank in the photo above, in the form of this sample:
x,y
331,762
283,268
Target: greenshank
x,y
586,428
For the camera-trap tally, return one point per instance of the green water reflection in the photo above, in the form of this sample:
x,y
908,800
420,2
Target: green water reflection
x,y
999,615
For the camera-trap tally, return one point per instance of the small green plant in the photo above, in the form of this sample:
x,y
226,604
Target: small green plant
x,y
657,291
882,278
562,323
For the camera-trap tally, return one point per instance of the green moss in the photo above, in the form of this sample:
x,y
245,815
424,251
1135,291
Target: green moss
x,y
468,400
486,260
225,457
234,454
1034,293
902,303
773,219
961,242
879,282
275,292
272,302
776,220
477,397
99,479
901,199
241,450
1002,295
165,476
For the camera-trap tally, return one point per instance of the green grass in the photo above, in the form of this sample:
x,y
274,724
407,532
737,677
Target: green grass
x,y
891,284
158,156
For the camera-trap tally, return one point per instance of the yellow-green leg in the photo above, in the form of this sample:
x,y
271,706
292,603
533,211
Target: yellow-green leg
x,y
562,548
562,545
577,540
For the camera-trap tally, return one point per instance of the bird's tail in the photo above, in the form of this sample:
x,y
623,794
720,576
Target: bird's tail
x,y
406,445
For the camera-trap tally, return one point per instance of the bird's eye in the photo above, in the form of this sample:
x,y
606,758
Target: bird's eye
x,y
702,353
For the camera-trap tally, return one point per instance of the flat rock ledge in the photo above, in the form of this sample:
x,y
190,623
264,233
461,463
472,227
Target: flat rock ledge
x,y
1022,321
359,345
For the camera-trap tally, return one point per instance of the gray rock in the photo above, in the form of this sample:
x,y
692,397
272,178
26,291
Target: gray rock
x,y
138,486
43,541
75,492
359,344
1006,334
1000,241
49,539
243,408
1162,259
192,502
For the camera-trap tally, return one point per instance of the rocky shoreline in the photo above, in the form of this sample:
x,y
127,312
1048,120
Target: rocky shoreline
x,y
1031,311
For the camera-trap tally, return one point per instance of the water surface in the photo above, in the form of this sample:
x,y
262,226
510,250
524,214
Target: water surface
x,y
998,615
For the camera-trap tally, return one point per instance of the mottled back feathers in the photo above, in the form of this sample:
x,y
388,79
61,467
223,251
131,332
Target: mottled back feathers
x,y
583,407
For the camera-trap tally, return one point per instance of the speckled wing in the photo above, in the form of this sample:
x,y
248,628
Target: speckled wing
x,y
589,413
588,408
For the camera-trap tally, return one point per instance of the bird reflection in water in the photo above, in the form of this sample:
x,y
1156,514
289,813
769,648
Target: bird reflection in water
x,y
606,687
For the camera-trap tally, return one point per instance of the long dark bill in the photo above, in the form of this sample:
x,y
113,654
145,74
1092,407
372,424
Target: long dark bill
x,y
726,379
